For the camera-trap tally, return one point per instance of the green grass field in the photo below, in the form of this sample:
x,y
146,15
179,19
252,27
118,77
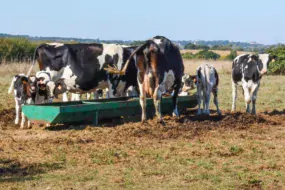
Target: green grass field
x,y
236,151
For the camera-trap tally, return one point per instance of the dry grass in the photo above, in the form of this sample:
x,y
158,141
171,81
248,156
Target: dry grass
x,y
236,151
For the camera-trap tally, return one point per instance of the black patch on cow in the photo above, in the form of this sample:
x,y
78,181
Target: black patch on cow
x,y
246,67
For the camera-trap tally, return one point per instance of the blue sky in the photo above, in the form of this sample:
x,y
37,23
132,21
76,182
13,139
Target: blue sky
x,y
240,20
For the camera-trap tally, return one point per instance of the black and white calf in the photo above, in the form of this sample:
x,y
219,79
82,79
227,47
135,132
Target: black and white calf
x,y
188,83
24,93
207,83
247,70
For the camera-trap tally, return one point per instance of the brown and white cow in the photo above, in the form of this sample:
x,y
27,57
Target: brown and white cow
x,y
159,69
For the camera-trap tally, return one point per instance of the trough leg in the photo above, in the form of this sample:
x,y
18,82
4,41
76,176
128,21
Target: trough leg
x,y
95,119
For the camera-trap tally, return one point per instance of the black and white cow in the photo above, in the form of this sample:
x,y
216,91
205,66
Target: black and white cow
x,y
79,68
207,83
247,70
159,69
188,83
24,90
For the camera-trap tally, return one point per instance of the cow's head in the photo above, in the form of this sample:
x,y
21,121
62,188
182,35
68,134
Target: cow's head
x,y
59,87
188,82
264,60
23,87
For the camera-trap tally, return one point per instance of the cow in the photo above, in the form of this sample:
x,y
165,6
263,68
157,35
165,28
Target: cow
x,y
247,71
159,69
24,93
79,68
188,83
207,81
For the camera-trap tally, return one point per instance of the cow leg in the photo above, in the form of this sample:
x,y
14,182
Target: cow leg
x,y
17,108
247,98
88,96
254,97
207,96
199,98
175,112
215,93
64,97
157,102
23,120
234,94
142,101
72,97
96,95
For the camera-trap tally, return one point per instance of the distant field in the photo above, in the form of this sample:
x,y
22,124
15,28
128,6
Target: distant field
x,y
235,151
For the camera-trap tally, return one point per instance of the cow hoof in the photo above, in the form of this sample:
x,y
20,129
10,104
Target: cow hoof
x,y
144,121
219,113
16,122
22,127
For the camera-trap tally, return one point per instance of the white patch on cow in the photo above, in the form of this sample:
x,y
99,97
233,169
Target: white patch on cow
x,y
168,80
157,41
55,44
111,91
264,60
69,78
246,67
54,75
249,60
111,50
43,74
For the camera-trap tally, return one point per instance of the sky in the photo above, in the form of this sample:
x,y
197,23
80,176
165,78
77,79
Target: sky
x,y
237,20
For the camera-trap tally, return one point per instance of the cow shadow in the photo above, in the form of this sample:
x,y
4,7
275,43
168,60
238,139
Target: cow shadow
x,y
15,171
275,112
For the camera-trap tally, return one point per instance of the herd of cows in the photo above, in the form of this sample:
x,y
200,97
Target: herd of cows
x,y
149,70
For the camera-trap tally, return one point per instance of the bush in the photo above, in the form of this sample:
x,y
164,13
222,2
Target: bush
x,y
188,55
277,67
205,54
231,56
194,46
16,49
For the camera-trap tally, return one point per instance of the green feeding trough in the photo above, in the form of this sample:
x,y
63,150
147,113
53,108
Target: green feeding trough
x,y
92,111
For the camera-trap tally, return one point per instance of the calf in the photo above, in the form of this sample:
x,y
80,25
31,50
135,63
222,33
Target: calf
x,y
188,83
24,93
247,71
207,83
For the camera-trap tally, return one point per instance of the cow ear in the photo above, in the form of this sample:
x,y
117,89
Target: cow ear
x,y
194,78
24,80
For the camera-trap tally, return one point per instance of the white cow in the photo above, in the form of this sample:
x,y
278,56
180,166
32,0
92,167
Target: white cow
x,y
207,83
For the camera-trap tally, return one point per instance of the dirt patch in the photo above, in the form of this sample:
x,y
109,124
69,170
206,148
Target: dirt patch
x,y
7,117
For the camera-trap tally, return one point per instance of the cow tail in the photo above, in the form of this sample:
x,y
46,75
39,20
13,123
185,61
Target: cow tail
x,y
34,61
12,85
205,80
